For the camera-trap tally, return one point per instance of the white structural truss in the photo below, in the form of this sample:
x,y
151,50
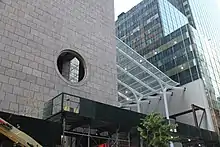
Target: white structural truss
x,y
139,80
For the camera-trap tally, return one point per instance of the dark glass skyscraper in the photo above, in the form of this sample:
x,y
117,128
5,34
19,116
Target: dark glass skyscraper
x,y
171,35
161,33
180,37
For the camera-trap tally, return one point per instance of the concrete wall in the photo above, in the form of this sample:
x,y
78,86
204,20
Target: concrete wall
x,y
34,32
181,101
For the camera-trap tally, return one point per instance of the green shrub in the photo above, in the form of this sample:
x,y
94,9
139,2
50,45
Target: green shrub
x,y
156,131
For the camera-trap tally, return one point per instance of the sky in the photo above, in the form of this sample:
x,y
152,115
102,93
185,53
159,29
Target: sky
x,y
217,1
124,6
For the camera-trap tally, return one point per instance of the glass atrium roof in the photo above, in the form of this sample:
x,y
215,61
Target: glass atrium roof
x,y
137,77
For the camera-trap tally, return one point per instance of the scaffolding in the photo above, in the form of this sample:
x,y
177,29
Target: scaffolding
x,y
89,123
84,124
138,79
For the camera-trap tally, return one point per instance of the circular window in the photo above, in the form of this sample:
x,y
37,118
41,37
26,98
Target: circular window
x,y
71,66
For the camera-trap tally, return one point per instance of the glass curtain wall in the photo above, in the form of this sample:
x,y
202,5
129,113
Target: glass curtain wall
x,y
172,18
159,31
175,36
140,27
207,23
175,56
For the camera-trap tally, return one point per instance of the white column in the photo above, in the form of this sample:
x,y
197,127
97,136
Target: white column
x,y
166,104
138,106
139,111
166,109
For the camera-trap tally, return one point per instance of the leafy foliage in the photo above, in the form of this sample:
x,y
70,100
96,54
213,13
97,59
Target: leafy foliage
x,y
155,130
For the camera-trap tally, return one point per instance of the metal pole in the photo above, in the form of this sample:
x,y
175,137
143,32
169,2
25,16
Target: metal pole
x,y
139,111
129,140
62,102
194,116
166,104
63,134
138,106
100,137
63,121
167,110
89,137
116,139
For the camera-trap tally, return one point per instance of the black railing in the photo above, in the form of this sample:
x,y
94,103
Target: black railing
x,y
60,103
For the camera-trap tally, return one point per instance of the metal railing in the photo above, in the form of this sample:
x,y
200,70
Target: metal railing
x,y
60,103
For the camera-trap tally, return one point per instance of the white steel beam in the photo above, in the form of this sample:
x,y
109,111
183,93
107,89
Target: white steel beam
x,y
130,105
136,79
124,96
151,97
144,68
129,88
122,44
141,79
127,102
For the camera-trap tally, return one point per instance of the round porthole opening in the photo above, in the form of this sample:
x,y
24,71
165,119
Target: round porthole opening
x,y
71,66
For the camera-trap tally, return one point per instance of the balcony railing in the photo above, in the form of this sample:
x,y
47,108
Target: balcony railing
x,y
60,103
